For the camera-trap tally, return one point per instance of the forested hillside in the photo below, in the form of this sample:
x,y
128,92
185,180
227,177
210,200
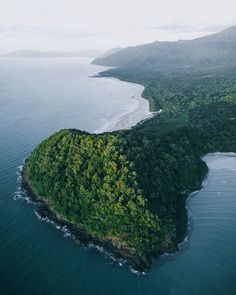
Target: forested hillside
x,y
89,181
210,51
129,187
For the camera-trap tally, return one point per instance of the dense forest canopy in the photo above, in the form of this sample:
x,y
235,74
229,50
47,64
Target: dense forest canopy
x,y
129,187
89,181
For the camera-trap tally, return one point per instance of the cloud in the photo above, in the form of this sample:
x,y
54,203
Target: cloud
x,y
189,28
47,31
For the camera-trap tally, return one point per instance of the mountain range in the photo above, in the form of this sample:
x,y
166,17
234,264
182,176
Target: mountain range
x,y
55,53
217,50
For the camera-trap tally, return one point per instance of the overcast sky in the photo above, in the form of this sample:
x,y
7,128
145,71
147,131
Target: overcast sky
x,y
104,24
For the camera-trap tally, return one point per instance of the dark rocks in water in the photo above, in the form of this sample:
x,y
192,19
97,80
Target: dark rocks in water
x,y
82,237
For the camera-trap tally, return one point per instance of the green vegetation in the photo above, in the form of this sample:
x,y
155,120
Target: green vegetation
x,y
217,50
129,187
88,181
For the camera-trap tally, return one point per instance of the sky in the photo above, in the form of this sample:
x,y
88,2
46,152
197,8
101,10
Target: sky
x,y
103,24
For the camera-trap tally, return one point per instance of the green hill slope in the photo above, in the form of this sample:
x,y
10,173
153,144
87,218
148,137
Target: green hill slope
x,y
127,190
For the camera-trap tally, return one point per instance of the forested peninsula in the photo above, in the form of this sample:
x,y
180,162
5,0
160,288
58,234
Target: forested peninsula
x,y
127,190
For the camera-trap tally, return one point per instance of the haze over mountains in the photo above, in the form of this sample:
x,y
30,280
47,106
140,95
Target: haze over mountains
x,y
217,50
112,51
55,53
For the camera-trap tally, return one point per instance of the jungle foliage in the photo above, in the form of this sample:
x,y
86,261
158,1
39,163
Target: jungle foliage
x,y
130,186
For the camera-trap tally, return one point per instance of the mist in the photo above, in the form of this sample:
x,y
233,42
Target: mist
x,y
79,25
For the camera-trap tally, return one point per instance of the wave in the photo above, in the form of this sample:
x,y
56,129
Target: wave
x,y
110,124
64,228
135,113
20,193
137,272
121,262
67,233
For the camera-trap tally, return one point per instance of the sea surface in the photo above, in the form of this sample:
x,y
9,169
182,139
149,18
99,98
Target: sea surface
x,y
41,96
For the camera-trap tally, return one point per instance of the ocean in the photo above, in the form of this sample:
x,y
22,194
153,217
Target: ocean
x,y
41,96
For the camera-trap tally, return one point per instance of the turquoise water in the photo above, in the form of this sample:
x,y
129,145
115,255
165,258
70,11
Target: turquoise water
x,y
40,96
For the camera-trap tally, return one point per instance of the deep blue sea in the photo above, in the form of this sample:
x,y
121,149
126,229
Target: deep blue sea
x,y
41,96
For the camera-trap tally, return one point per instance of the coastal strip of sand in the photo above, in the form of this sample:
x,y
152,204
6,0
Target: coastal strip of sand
x,y
138,112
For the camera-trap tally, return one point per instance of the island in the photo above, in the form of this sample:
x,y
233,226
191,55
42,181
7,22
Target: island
x,y
126,190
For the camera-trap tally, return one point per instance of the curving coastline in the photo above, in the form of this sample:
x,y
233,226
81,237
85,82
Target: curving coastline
x,y
137,264
137,113
204,185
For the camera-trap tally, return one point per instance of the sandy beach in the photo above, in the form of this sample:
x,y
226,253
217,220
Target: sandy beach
x,y
138,112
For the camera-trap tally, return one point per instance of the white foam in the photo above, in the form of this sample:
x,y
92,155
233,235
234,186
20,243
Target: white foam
x,y
134,113
19,193
137,272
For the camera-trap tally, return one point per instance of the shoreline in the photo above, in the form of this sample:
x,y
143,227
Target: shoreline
x,y
136,114
136,264
130,118
204,184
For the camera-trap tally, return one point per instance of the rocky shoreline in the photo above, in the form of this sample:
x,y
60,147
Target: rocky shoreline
x,y
137,264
